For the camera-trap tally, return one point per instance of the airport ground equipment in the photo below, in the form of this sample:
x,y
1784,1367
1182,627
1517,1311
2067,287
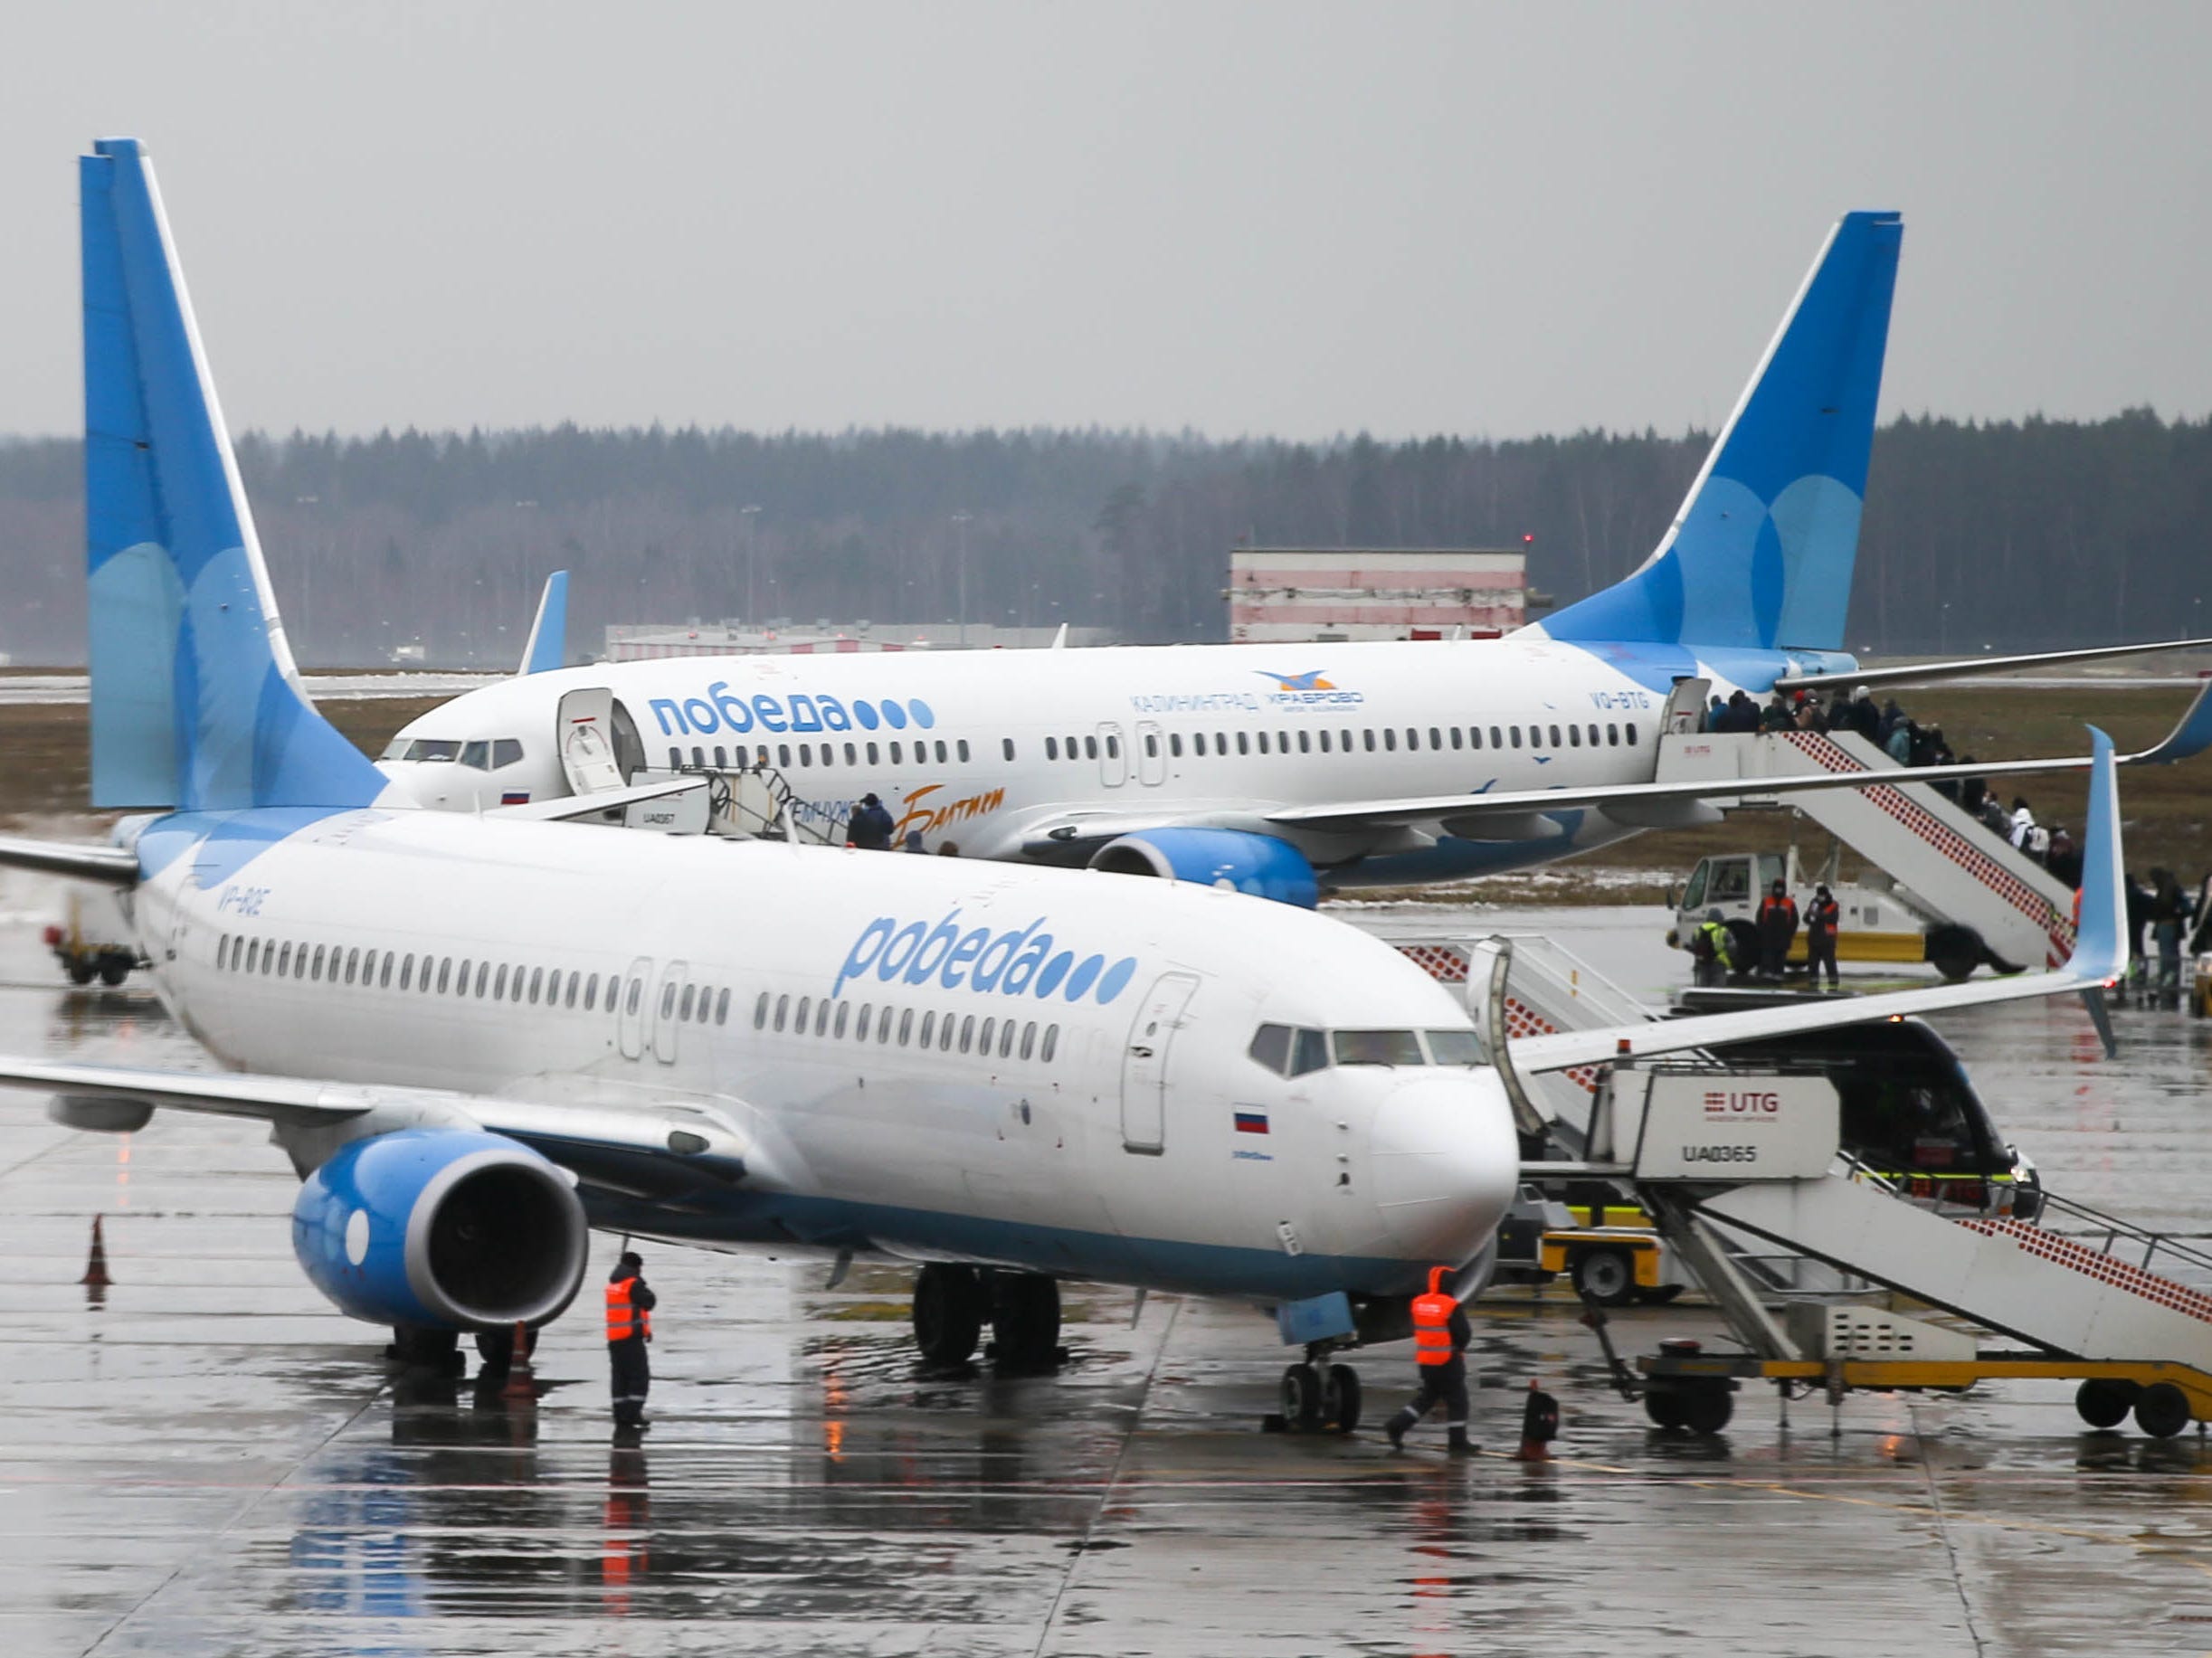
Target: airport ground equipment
x,y
93,940
1972,895
2125,1310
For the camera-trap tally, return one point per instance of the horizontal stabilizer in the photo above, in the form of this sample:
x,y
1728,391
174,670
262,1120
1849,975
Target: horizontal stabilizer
x,y
109,865
562,807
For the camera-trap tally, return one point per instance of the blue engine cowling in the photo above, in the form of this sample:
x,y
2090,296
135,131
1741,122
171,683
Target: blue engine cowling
x,y
451,1229
1260,865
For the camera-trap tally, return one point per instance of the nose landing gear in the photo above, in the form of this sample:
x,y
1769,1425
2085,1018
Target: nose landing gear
x,y
1316,1397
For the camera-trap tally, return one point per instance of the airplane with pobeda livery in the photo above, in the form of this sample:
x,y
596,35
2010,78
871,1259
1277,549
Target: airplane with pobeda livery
x,y
1288,771
477,1036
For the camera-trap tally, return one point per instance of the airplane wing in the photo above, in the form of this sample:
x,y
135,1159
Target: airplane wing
x,y
2099,956
549,632
1467,814
1966,667
644,1151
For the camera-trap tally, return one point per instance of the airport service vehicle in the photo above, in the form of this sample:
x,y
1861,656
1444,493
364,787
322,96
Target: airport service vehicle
x,y
1286,770
476,1036
1881,920
93,940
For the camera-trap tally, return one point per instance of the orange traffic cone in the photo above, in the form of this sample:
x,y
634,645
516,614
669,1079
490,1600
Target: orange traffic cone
x,y
96,1268
1538,1426
520,1383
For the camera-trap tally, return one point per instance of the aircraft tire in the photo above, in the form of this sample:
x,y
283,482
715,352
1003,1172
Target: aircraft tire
x,y
1302,1405
948,1312
1340,1398
1025,1321
1707,1412
1664,1406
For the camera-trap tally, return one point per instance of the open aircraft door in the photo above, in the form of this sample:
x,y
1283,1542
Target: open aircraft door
x,y
1686,707
1144,1067
586,728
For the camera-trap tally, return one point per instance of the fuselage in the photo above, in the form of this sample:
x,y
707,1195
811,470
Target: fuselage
x,y
991,750
939,1059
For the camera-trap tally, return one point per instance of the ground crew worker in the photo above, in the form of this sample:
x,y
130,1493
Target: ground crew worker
x,y
1778,924
630,1326
1821,916
870,827
1440,1336
1713,948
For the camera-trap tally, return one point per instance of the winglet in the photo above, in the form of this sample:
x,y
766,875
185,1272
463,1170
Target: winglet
x,y
1060,637
2099,943
549,633
2188,739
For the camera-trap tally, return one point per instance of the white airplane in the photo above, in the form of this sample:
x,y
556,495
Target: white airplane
x,y
1290,769
476,1036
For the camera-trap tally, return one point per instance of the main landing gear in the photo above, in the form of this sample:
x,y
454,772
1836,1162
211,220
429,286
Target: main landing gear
x,y
434,1351
1317,1395
952,1303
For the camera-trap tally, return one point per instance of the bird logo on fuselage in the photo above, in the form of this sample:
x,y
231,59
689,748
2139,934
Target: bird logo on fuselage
x,y
1297,682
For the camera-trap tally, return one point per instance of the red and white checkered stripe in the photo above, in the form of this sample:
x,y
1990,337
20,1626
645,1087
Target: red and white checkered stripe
x,y
2095,1264
1970,859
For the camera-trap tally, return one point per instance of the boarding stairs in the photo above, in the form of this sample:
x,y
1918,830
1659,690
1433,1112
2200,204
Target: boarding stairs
x,y
1946,860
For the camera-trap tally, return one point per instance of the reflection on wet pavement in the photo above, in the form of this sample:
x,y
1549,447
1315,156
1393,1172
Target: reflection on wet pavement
x,y
211,1460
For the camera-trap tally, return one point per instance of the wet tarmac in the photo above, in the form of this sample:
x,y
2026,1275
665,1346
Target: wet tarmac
x,y
205,1458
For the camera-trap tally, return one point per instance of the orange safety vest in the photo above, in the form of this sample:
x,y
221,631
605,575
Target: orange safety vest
x,y
624,1319
1432,1321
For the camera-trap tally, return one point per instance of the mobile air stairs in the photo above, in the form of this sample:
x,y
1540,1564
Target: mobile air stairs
x,y
1716,1154
1945,858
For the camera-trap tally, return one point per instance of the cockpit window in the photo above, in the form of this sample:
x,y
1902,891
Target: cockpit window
x,y
505,752
425,748
1309,1051
1271,1047
475,755
1377,1047
1454,1046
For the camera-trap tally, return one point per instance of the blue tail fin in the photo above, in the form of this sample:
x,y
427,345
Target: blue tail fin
x,y
1760,554
549,633
196,700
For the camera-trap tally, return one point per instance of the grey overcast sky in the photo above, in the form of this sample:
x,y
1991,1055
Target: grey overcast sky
x,y
1285,219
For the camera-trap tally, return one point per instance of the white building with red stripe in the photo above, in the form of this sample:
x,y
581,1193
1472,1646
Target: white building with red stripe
x,y
1332,593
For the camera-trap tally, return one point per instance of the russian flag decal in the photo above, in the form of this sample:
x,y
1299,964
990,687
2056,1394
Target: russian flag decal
x,y
514,797
1251,1122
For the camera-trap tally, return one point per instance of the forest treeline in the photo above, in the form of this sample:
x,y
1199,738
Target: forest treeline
x,y
2015,534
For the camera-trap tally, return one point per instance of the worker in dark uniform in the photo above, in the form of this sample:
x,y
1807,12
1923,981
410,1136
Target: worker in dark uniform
x,y
1778,924
1821,916
630,1327
1712,949
1440,1336
870,826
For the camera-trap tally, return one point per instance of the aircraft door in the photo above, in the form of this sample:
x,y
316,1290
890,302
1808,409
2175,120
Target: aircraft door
x,y
586,728
1144,1068
1113,758
1686,707
631,1011
672,1005
1151,755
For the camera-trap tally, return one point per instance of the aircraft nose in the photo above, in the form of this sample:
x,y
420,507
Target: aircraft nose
x,y
1446,1161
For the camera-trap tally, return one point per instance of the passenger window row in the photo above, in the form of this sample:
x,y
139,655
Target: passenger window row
x,y
811,755
1008,1038
1294,1052
429,975
1612,733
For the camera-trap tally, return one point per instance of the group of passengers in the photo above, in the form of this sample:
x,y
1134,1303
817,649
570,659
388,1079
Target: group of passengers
x,y
1889,727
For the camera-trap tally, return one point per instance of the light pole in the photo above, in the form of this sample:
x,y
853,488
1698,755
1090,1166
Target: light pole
x,y
751,515
1945,624
960,520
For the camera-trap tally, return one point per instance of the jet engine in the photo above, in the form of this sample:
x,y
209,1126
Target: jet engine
x,y
1260,865
451,1229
